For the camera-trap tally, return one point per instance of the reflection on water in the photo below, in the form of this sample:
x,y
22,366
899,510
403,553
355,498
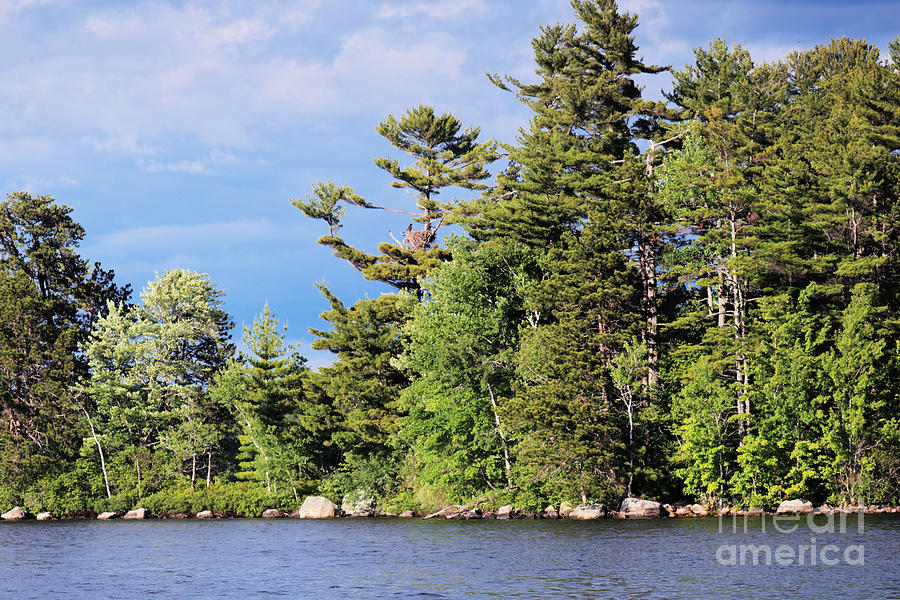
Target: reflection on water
x,y
393,558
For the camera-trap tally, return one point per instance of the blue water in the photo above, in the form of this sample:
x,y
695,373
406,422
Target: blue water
x,y
394,558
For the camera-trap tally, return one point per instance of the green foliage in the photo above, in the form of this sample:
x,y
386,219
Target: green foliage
x,y
444,155
151,369
237,499
705,416
280,435
462,342
49,298
697,297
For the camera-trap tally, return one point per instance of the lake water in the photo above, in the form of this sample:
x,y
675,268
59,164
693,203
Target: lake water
x,y
394,558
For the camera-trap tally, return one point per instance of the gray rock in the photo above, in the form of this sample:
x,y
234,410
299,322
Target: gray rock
x,y
106,516
638,508
16,514
206,514
684,511
475,513
407,514
362,513
43,516
699,510
564,509
669,510
137,513
794,507
505,512
360,500
272,513
318,507
550,513
588,511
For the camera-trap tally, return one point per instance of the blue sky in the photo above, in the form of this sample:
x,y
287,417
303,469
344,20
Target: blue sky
x,y
178,131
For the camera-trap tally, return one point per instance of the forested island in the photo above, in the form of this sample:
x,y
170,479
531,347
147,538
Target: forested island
x,y
690,300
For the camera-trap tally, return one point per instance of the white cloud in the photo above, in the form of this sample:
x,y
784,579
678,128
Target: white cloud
x,y
435,9
200,234
148,79
12,7
203,166
36,184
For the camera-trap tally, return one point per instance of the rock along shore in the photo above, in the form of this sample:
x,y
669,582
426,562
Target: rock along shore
x,y
319,507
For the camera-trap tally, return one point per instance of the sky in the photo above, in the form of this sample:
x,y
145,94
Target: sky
x,y
179,131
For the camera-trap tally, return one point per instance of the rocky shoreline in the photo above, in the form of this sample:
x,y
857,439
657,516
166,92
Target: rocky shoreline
x,y
319,507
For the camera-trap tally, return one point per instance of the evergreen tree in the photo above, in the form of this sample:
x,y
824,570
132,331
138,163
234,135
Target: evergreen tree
x,y
444,155
50,296
363,388
275,445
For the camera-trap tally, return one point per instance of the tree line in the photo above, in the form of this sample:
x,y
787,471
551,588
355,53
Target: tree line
x,y
693,298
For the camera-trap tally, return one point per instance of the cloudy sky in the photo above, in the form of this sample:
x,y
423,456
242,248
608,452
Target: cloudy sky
x,y
178,131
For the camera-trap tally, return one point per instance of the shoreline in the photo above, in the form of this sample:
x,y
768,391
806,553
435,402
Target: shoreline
x,y
459,513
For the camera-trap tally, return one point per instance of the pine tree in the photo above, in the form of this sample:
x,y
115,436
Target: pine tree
x,y
50,296
275,446
362,388
444,155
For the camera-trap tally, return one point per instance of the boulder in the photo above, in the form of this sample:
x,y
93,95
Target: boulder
x,y
360,500
794,507
16,514
318,507
475,513
448,512
684,511
588,511
564,509
272,513
699,510
206,514
505,512
43,516
362,513
106,516
137,513
668,510
754,511
638,508
407,514
550,513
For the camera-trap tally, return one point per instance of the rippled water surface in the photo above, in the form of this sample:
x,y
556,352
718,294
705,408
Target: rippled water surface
x,y
394,558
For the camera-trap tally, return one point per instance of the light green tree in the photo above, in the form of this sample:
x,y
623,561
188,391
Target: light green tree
x,y
151,368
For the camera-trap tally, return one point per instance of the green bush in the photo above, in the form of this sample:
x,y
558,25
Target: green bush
x,y
242,499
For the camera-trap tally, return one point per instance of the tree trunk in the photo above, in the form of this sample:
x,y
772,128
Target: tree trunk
x,y
647,264
100,449
193,469
630,406
208,468
506,464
